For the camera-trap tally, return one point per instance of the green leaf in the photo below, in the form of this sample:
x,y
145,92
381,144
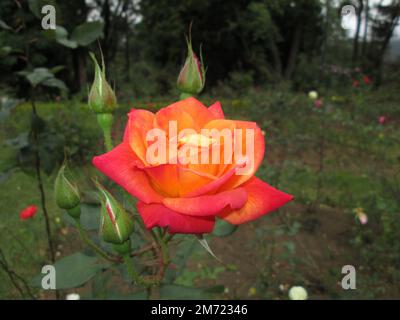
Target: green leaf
x,y
60,34
4,25
68,43
73,271
34,6
4,51
223,228
55,83
43,76
57,69
38,75
88,32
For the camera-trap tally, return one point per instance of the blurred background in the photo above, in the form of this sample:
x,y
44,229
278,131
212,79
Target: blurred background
x,y
335,149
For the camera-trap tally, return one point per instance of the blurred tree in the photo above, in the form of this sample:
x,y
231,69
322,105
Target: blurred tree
x,y
265,36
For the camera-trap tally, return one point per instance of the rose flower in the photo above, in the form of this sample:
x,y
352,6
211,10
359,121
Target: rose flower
x,y
185,193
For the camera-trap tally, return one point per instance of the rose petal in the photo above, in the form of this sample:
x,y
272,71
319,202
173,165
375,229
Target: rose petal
x,y
119,166
140,122
217,111
189,114
262,199
158,215
208,205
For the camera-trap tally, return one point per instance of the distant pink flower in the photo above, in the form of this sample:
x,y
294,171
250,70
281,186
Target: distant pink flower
x,y
28,212
382,120
356,83
318,103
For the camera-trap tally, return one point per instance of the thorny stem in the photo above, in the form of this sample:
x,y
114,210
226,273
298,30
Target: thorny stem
x,y
131,270
42,193
41,189
161,251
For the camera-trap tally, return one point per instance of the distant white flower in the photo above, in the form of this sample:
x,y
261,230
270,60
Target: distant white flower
x,y
298,293
313,95
73,296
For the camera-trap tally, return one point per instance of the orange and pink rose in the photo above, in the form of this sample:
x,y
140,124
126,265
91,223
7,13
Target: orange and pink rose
x,y
188,198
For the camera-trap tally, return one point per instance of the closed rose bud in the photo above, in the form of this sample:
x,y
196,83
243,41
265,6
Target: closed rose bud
x,y
191,78
66,194
116,225
101,97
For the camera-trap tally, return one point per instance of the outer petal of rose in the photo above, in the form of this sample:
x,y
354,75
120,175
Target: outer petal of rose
x,y
140,122
217,111
208,205
158,215
189,113
262,199
119,166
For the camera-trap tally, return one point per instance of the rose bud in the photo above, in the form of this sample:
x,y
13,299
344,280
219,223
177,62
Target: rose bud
x,y
191,78
101,97
116,225
67,194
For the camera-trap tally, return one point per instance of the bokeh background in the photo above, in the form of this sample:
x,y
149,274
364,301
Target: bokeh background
x,y
338,154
